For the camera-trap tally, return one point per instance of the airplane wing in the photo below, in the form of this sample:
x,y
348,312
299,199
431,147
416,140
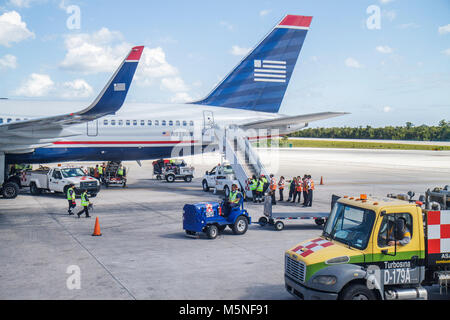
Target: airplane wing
x,y
24,136
288,124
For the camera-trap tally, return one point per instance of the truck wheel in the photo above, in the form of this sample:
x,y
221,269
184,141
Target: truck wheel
x,y
262,221
170,178
10,190
279,225
319,221
240,225
34,190
205,185
357,292
188,178
212,231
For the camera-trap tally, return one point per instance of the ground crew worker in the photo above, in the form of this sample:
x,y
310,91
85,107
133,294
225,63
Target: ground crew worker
x,y
266,183
84,204
253,185
401,232
298,189
292,188
121,174
71,198
260,189
233,199
273,188
96,172
310,183
281,187
305,190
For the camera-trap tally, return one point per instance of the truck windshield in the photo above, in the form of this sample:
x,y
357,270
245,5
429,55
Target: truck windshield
x,y
350,225
72,172
228,169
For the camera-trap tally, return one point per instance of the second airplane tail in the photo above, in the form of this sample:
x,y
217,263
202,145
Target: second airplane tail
x,y
260,80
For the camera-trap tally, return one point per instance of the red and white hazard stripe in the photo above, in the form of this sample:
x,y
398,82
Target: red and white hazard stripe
x,y
438,231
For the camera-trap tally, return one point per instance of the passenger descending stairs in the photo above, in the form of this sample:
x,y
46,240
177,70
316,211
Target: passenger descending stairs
x,y
238,151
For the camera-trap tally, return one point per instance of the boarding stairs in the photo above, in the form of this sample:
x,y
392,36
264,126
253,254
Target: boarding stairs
x,y
238,151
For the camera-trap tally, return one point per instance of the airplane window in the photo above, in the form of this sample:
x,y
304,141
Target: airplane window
x,y
142,122
149,122
170,123
113,122
156,122
191,123
134,122
184,123
163,123
177,123
120,122
9,120
105,122
128,122
17,119
1,120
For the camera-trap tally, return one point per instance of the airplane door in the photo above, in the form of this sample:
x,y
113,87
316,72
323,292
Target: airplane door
x,y
208,123
92,128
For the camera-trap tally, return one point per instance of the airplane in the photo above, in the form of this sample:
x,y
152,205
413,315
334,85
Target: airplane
x,y
249,97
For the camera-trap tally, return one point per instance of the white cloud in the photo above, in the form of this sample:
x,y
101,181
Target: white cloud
x,y
263,13
352,63
227,25
181,97
77,88
444,29
387,109
13,29
385,1
101,51
384,49
8,61
24,3
175,84
239,51
154,66
37,85
446,52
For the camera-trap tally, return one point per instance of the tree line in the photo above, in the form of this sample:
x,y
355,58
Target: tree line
x,y
409,131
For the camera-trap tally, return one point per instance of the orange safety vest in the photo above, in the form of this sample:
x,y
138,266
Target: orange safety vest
x,y
312,184
305,185
273,184
281,184
299,187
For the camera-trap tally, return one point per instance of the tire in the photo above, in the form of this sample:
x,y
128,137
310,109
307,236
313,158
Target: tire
x,y
34,190
226,190
357,292
205,185
170,178
188,178
10,190
263,221
279,225
240,225
212,231
319,221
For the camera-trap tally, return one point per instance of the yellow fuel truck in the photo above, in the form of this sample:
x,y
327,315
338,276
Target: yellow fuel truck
x,y
372,248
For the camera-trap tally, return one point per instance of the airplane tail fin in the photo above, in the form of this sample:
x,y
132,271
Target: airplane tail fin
x,y
114,93
260,80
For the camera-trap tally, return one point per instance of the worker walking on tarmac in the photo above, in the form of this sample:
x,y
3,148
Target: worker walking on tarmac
x,y
281,187
292,188
84,204
260,190
273,188
310,184
71,198
253,183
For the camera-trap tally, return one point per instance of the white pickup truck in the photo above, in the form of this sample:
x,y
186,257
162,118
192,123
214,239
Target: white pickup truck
x,y
221,178
58,180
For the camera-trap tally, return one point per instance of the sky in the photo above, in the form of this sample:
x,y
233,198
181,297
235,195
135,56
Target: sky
x,y
386,62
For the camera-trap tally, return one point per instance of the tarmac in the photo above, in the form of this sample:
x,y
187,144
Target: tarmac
x,y
143,252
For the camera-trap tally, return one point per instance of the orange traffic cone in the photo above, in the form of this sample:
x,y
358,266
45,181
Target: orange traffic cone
x,y
321,180
97,228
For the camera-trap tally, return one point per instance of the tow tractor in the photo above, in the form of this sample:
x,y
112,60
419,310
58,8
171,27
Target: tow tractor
x,y
173,170
211,218
362,253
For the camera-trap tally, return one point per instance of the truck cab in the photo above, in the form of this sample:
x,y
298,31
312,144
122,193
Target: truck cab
x,y
221,177
362,256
